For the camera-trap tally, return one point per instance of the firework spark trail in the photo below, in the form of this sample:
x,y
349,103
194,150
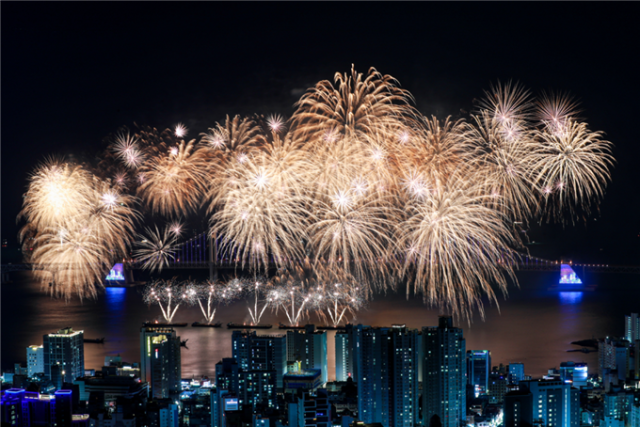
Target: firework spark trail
x,y
291,292
169,295
455,248
260,289
503,164
573,166
355,234
175,180
155,249
215,294
354,106
259,218
337,294
58,193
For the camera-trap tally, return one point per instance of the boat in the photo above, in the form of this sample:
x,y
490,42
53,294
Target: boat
x,y
177,325
283,326
94,340
242,326
570,281
206,325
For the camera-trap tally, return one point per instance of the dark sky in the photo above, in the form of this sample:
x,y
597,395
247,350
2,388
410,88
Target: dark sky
x,y
74,72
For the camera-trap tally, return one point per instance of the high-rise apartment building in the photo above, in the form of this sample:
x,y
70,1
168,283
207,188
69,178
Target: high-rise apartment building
x,y
308,409
617,407
35,360
260,353
518,408
309,347
555,403
65,349
160,362
255,387
444,374
478,369
344,358
574,373
516,372
385,368
632,327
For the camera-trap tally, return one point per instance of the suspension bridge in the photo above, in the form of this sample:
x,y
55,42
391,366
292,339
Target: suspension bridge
x,y
200,252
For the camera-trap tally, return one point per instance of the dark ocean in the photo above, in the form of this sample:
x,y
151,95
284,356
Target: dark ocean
x,y
533,325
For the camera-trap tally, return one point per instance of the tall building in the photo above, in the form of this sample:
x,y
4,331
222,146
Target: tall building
x,y
555,403
22,408
574,373
516,372
518,408
256,388
636,361
444,374
617,408
478,368
385,365
160,363
344,358
606,355
65,349
35,360
309,348
310,410
260,353
632,327
169,416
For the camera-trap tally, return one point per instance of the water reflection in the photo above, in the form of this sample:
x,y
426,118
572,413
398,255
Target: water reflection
x,y
115,297
570,298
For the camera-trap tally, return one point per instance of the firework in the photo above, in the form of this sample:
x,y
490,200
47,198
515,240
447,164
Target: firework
x,y
572,167
455,248
357,181
554,112
156,249
509,104
355,234
356,105
59,192
260,219
71,261
79,226
175,181
337,295
291,294
215,294
127,149
501,163
169,295
181,130
433,152
259,287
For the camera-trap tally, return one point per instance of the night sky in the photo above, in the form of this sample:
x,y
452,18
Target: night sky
x,y
72,73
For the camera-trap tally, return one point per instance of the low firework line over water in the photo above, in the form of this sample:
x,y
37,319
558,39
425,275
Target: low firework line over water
x,y
357,180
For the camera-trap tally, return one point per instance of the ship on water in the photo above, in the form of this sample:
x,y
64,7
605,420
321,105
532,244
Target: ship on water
x,y
570,281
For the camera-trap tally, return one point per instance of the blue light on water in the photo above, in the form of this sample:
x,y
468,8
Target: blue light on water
x,y
570,298
115,296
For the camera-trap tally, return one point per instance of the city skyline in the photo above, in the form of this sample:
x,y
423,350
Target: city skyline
x,y
404,203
